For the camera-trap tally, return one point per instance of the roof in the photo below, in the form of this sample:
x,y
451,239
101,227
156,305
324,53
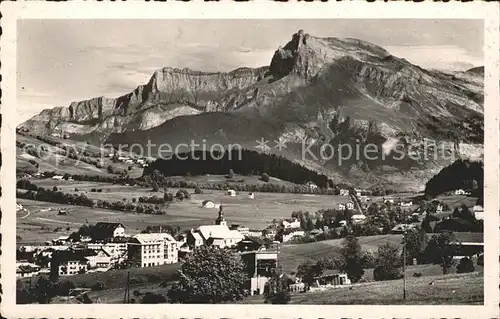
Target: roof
x,y
196,236
106,225
358,216
218,231
105,229
469,237
153,238
72,255
206,202
216,241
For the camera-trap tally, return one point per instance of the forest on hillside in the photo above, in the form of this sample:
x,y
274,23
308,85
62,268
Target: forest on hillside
x,y
461,174
245,163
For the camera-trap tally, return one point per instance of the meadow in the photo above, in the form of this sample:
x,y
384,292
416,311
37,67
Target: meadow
x,y
255,213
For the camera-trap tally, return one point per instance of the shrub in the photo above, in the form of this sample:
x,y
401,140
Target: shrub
x,y
264,177
480,260
152,298
63,287
197,190
98,286
77,190
465,265
417,274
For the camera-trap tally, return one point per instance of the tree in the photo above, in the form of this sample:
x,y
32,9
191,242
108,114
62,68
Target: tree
x,y
309,224
276,290
416,241
465,265
426,225
308,271
480,260
388,263
23,294
368,259
264,177
44,290
156,188
197,190
351,258
231,173
440,250
168,197
54,189
210,275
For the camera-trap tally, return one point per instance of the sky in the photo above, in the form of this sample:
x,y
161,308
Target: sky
x,y
60,61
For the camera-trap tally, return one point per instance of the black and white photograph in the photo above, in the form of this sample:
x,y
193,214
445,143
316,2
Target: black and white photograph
x,y
286,161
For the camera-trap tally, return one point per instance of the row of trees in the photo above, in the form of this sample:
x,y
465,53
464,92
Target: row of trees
x,y
55,196
387,261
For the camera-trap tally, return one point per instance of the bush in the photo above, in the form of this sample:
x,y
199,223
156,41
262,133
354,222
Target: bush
x,y
197,190
465,265
98,286
417,274
152,298
480,260
264,177
63,287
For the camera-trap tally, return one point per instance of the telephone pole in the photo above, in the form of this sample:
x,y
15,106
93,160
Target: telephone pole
x,y
404,265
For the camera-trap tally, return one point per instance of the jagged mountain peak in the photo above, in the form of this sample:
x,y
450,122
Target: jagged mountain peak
x,y
305,55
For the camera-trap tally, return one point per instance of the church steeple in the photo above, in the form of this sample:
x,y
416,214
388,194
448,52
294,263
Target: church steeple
x,y
221,220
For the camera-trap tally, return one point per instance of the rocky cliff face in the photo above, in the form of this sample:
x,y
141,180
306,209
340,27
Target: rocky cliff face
x,y
345,80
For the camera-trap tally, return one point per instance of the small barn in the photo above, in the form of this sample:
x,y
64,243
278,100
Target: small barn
x,y
251,195
207,204
62,212
231,192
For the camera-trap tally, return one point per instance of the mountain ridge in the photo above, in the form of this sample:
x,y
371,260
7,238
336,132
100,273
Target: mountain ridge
x,y
316,89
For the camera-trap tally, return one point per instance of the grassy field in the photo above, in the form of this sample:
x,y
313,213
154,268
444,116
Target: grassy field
x,y
447,289
255,213
293,255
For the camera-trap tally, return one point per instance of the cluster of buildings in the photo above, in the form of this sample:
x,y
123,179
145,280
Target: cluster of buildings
x,y
142,162
105,248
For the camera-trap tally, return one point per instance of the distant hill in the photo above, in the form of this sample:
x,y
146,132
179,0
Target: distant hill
x,y
477,70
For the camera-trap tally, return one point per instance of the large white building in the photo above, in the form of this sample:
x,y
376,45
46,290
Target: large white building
x,y
147,250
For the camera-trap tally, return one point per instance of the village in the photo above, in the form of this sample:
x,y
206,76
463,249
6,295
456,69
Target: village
x,y
110,246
